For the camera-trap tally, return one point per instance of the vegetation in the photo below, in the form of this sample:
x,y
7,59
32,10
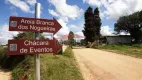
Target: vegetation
x,y
60,67
27,36
92,25
131,50
70,39
97,24
131,24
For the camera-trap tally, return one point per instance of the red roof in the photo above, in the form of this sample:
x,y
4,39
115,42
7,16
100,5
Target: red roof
x,y
65,37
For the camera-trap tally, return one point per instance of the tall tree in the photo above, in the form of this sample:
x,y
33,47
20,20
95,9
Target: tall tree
x,y
88,26
131,24
92,25
97,24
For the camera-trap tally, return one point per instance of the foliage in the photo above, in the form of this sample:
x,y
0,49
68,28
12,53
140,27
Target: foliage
x,y
24,69
70,38
24,35
134,50
92,25
59,67
83,42
97,23
88,26
27,36
71,35
131,24
18,64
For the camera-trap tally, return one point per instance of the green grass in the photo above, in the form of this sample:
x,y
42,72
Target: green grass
x,y
59,67
24,69
133,50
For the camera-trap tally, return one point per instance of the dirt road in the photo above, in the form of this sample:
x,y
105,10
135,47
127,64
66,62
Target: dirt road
x,y
4,75
101,65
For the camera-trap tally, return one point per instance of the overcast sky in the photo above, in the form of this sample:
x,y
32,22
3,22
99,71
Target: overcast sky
x,y
69,13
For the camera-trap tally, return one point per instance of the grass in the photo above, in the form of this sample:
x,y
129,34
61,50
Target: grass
x,y
133,50
59,67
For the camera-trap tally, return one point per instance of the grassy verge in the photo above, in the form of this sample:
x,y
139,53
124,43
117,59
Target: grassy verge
x,y
133,50
59,67
19,65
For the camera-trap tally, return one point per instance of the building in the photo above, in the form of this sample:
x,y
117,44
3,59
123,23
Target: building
x,y
119,39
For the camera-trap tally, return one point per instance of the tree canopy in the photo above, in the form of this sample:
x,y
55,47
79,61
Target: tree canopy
x,y
131,24
70,38
92,25
27,36
71,35
97,23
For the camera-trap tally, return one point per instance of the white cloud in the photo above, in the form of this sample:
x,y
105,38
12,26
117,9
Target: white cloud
x,y
31,2
106,30
116,8
75,27
65,10
52,12
124,33
93,2
64,30
22,4
5,34
110,1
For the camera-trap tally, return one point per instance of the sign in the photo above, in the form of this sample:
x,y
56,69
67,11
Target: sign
x,y
57,47
22,47
33,25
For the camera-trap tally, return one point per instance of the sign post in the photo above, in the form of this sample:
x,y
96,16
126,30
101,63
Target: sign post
x,y
36,46
37,56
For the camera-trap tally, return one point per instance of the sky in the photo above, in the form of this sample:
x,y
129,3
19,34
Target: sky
x,y
69,13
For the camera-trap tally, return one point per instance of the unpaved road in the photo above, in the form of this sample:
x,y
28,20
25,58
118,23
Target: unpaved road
x,y
101,65
4,75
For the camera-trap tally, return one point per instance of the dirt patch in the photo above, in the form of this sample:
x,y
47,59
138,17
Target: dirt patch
x,y
5,75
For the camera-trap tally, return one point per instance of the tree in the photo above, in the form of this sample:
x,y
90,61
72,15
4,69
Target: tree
x,y
88,26
92,25
70,38
131,24
97,24
27,36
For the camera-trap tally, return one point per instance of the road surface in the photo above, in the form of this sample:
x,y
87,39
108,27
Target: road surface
x,y
4,75
101,65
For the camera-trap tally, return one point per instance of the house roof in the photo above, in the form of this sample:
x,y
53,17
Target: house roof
x,y
65,37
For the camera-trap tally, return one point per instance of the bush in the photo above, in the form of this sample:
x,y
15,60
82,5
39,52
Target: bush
x,y
18,64
9,62
68,52
24,69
